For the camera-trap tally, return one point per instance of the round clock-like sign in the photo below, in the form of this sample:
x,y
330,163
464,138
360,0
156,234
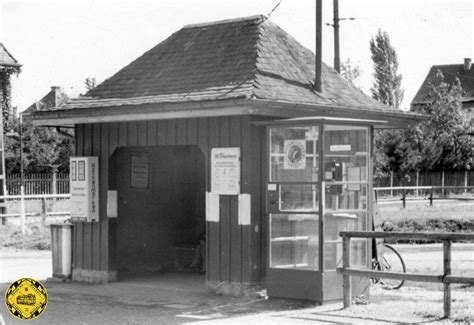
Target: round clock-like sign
x,y
295,154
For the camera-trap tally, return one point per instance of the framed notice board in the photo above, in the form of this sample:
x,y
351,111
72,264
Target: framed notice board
x,y
225,171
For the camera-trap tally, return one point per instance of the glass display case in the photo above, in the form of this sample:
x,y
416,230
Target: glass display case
x,y
318,185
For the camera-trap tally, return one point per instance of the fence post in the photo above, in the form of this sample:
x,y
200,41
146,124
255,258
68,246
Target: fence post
x,y
431,196
43,211
442,183
417,182
22,209
55,180
404,198
346,263
465,182
391,183
447,271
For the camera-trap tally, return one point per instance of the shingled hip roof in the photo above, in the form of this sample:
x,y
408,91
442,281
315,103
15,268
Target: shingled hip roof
x,y
240,66
243,58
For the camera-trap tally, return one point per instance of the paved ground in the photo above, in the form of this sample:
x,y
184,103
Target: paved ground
x,y
181,298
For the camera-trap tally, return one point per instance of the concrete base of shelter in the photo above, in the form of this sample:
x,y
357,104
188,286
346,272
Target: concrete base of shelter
x,y
93,276
235,289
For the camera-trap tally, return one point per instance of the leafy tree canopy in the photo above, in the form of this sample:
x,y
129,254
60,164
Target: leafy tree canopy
x,y
387,81
44,149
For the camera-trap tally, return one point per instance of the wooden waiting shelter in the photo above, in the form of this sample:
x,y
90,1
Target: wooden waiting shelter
x,y
219,129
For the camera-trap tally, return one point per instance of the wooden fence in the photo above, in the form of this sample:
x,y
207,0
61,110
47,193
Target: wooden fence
x,y
54,183
446,278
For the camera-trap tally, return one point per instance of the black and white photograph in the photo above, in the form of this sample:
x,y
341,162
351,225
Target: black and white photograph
x,y
237,162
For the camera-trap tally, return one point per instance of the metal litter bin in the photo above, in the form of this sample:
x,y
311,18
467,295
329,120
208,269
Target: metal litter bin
x,y
61,247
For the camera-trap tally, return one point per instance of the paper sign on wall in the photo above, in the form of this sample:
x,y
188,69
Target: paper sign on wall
x,y
84,188
340,147
112,204
295,154
212,207
139,170
244,209
225,171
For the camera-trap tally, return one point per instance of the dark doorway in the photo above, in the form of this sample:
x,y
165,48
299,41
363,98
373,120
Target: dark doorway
x,y
161,206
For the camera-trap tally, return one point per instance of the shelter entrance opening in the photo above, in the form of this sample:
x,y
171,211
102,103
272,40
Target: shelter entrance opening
x,y
161,208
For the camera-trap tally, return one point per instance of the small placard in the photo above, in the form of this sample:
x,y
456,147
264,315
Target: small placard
x,y
353,175
340,147
271,187
139,170
225,171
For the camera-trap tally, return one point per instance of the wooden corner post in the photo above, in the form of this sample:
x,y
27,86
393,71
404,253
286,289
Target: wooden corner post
x,y
447,272
346,263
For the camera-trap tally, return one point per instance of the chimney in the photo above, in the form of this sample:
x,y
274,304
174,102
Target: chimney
x,y
467,64
55,90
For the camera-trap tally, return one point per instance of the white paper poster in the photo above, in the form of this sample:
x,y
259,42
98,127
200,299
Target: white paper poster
x,y
212,207
295,154
225,171
244,209
139,170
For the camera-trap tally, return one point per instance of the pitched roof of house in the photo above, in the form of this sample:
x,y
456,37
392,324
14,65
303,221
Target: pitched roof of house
x,y
250,58
6,59
54,98
450,72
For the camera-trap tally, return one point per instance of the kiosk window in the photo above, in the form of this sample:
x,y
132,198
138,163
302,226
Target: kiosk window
x,y
293,154
335,223
294,241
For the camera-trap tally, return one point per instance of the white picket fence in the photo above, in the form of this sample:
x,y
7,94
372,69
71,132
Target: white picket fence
x,y
36,184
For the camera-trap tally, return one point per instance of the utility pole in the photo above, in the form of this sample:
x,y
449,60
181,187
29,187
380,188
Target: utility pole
x,y
337,58
22,180
319,39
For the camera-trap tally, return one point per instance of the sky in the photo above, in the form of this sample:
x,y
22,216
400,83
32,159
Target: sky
x,y
61,43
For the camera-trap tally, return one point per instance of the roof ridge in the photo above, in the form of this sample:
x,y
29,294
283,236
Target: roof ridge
x,y
225,21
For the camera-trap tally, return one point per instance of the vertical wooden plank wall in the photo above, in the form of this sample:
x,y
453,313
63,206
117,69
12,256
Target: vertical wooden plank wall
x,y
236,253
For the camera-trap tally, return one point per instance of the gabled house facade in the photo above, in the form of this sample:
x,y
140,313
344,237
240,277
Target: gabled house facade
x,y
465,73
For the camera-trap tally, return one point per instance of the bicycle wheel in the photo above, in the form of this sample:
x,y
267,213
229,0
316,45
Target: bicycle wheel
x,y
392,262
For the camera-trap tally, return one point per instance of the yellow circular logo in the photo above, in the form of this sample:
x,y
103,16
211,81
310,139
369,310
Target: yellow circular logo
x,y
26,298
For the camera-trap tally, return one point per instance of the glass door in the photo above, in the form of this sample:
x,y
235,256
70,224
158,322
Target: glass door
x,y
346,208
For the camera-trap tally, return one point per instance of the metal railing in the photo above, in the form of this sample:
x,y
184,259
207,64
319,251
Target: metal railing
x,y
430,190
446,278
23,214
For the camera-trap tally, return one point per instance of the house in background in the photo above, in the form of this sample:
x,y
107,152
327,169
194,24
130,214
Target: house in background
x,y
54,98
465,73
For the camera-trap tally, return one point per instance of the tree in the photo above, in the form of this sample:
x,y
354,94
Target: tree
x,y
387,83
90,83
443,141
5,90
44,149
349,71
387,89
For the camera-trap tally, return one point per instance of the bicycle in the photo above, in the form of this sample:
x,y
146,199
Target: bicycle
x,y
391,261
